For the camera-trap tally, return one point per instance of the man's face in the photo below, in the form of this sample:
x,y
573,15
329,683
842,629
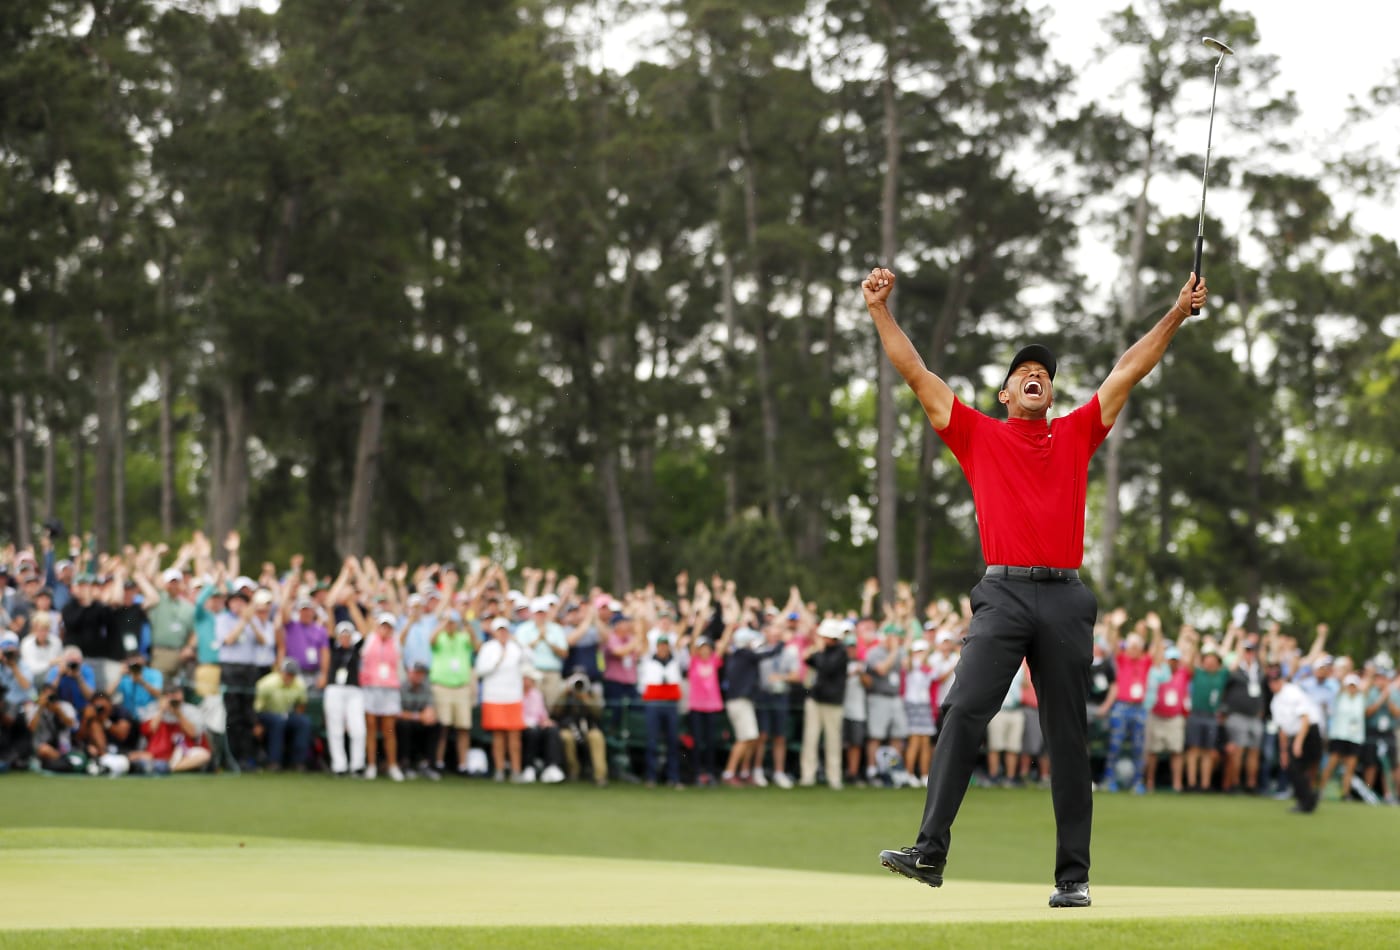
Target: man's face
x,y
1028,393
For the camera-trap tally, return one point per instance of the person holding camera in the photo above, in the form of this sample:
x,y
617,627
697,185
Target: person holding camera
x,y
172,740
15,690
51,727
139,689
108,734
579,714
74,680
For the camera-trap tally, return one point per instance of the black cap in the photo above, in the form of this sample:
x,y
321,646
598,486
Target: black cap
x,y
1032,353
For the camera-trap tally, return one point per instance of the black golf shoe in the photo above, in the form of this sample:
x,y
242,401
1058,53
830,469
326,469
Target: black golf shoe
x,y
1070,894
910,862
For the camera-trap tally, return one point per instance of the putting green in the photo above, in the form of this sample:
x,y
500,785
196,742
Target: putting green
x,y
139,879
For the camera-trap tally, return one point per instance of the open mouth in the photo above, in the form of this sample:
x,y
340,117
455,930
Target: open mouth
x,y
1034,388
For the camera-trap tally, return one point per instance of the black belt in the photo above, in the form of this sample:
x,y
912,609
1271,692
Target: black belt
x,y
1061,574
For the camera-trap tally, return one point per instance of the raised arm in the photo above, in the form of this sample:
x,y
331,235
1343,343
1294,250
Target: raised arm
x,y
1146,353
934,394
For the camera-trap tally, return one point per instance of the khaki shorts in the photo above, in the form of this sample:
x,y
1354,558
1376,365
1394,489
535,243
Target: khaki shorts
x,y
742,719
1166,735
453,705
1006,731
206,679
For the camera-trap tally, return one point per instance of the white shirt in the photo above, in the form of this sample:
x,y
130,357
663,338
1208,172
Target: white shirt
x,y
501,668
942,668
653,672
1290,704
38,660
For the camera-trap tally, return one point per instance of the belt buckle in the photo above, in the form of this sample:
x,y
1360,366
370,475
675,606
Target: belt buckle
x,y
1042,573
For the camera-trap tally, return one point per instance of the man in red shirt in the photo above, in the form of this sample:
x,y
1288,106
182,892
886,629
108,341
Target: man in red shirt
x,y
1028,477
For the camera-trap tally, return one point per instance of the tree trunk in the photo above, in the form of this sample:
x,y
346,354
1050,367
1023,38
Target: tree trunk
x,y
1130,313
355,532
48,418
105,450
728,311
119,464
616,513
767,405
20,458
79,479
167,450
886,487
233,473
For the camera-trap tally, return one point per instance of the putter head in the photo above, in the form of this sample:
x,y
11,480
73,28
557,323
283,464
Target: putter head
x,y
1218,46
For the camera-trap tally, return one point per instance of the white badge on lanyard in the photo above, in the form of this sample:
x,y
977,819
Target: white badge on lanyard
x,y
384,671
456,664
1254,690
342,675
1170,698
1135,692
130,642
311,655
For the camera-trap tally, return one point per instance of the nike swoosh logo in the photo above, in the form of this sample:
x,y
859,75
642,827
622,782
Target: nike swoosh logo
x,y
925,867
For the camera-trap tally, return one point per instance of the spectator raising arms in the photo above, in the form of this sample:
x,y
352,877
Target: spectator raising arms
x,y
379,679
826,663
345,701
501,671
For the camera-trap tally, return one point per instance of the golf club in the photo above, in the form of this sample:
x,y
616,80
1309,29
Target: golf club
x,y
1210,131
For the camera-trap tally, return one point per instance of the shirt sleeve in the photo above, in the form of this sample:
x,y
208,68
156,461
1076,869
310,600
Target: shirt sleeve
x,y
957,434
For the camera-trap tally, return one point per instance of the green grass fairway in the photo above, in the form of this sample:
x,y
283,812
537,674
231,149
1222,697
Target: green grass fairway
x,y
779,869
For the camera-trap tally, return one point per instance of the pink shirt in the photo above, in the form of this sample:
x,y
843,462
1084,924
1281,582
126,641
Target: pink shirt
x,y
1132,678
532,708
704,684
619,669
379,662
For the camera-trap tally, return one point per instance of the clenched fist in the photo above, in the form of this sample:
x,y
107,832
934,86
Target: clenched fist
x,y
877,286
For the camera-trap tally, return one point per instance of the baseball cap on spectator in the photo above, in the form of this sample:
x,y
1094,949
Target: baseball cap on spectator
x,y
386,618
289,665
172,576
1351,680
794,615
551,599
831,629
419,667
345,626
500,623
1323,660
1251,644
63,565
1172,653
262,598
415,599
919,646
8,641
944,637
432,593
539,606
516,597
242,581
306,603
130,585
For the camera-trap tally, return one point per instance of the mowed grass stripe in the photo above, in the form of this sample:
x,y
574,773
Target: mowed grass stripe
x,y
1001,835
1324,931
264,883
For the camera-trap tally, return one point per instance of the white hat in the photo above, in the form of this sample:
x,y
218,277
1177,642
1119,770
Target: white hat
x,y
388,618
539,605
172,576
1351,680
500,623
551,599
345,626
930,624
919,646
414,599
243,581
944,637
262,598
831,629
515,597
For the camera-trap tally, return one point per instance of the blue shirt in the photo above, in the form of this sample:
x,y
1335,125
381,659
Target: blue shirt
x,y
135,699
68,690
418,645
537,645
13,694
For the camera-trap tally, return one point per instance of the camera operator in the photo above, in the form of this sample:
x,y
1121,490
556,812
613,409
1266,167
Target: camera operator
x,y
51,726
139,689
74,680
107,733
15,690
172,740
579,713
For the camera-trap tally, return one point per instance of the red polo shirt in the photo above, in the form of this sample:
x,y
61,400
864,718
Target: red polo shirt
x,y
1028,481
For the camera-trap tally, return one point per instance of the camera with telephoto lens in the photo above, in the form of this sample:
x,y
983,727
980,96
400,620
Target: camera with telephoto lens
x,y
11,655
72,666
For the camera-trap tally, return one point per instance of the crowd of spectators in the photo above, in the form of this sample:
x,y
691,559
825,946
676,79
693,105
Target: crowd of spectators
x,y
144,662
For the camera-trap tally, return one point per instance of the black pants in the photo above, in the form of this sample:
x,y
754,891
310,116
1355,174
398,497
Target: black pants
x,y
542,744
1302,767
240,681
417,742
1051,625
